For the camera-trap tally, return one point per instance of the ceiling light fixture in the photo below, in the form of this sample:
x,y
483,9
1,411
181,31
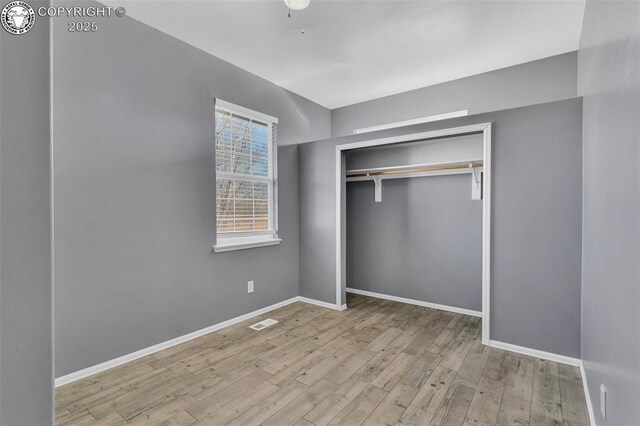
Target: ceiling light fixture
x,y
297,4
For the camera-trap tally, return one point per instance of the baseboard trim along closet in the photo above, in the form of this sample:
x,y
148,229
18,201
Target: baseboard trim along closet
x,y
576,362
592,417
416,302
99,368
321,303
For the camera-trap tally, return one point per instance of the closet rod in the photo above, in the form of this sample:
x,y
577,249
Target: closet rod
x,y
417,170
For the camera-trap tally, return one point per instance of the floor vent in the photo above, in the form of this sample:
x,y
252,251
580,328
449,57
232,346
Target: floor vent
x,y
263,324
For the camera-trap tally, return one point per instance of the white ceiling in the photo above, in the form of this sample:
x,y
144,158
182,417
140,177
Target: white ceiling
x,y
354,51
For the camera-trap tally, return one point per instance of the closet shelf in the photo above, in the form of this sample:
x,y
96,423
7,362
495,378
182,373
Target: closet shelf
x,y
466,165
473,167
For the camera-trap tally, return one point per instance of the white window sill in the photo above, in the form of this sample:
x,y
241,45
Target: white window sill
x,y
241,243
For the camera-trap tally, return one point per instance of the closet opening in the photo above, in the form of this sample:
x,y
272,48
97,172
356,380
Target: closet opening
x,y
416,226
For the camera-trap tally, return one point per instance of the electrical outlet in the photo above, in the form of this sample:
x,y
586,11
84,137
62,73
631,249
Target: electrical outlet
x,y
603,401
250,287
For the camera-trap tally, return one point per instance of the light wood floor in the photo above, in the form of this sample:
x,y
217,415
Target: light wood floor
x,y
378,362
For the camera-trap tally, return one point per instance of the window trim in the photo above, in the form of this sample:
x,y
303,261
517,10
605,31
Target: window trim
x,y
242,243
240,240
237,109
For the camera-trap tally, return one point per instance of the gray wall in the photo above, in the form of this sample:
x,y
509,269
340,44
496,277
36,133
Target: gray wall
x,y
609,75
537,189
457,148
544,80
134,212
317,221
422,242
26,374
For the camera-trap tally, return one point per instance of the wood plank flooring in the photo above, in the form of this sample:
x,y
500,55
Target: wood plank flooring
x,y
377,363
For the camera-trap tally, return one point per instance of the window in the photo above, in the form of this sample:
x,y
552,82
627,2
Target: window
x,y
246,189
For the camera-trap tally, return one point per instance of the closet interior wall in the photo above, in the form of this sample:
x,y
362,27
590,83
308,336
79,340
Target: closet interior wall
x,y
423,241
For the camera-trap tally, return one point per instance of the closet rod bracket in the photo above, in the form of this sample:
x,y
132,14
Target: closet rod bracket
x,y
377,180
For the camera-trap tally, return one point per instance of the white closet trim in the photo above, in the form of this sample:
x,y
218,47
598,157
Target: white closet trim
x,y
340,182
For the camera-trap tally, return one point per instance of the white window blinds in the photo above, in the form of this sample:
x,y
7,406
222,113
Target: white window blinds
x,y
245,181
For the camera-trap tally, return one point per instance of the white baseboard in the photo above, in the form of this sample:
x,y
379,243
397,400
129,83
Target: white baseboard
x,y
592,417
323,304
535,353
416,302
90,371
552,357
